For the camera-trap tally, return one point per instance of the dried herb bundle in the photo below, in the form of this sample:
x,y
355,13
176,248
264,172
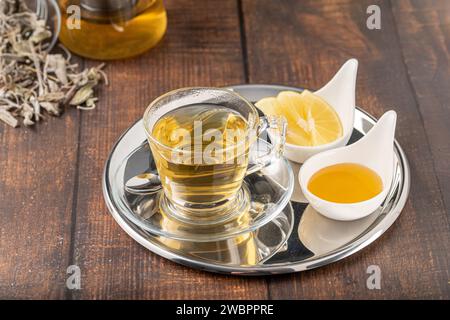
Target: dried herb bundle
x,y
33,81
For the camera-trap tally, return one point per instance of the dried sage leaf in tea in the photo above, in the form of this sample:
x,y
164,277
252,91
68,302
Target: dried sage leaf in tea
x,y
34,82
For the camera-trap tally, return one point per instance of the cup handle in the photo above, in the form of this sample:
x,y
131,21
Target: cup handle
x,y
275,127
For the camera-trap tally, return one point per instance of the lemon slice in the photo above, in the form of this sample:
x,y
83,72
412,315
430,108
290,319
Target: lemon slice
x,y
311,121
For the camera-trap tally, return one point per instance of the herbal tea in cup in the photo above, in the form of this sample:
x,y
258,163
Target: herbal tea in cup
x,y
200,139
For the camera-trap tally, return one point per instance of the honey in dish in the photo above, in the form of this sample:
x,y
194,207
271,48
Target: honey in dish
x,y
345,183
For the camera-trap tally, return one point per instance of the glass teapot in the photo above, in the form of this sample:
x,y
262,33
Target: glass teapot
x,y
111,29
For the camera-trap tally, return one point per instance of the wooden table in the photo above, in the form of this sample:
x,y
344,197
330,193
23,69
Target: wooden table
x,y
52,212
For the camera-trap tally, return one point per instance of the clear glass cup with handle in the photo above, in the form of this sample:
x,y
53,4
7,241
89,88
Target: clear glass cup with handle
x,y
203,142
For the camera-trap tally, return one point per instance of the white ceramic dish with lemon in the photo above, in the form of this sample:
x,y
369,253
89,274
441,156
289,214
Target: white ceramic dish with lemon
x,y
339,94
374,151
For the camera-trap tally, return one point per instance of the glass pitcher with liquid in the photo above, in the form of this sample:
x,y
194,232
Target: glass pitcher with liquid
x,y
111,29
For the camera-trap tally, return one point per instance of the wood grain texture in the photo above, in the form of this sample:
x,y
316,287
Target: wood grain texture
x,y
52,212
424,35
37,171
303,45
201,48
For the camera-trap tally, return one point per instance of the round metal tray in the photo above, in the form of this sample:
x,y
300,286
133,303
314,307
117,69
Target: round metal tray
x,y
314,241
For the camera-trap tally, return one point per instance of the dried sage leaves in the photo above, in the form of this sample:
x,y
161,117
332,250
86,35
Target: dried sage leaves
x,y
34,82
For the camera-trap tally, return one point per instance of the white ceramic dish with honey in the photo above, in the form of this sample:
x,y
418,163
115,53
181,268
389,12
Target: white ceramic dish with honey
x,y
374,151
339,93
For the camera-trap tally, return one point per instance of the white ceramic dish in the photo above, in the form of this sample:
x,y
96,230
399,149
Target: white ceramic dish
x,y
339,93
375,151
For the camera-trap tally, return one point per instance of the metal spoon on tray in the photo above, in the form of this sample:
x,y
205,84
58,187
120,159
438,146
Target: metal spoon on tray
x,y
143,183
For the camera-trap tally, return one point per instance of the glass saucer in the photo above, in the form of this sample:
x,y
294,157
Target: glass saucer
x,y
248,249
269,191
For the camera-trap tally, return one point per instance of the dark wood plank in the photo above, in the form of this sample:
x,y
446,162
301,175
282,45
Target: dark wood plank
x,y
303,43
202,47
424,34
36,187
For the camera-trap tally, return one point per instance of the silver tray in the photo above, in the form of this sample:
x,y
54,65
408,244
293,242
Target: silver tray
x,y
314,241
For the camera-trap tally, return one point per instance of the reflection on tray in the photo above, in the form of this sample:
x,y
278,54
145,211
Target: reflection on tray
x,y
247,249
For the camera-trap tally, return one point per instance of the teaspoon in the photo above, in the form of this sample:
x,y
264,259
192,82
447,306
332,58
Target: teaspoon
x,y
143,183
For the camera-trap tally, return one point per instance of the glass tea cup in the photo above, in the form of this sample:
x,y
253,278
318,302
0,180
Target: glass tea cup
x,y
202,140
